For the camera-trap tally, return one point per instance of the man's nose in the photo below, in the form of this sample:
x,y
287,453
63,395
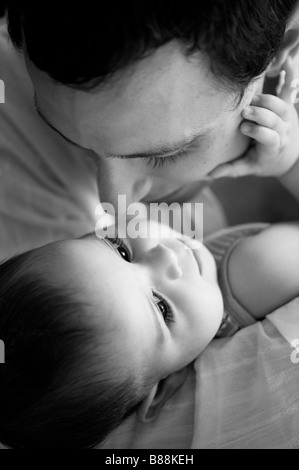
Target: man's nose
x,y
166,262
119,177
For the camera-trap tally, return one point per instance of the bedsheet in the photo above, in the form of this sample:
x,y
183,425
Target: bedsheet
x,y
247,387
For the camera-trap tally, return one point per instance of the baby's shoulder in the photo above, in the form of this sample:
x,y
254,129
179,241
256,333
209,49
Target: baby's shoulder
x,y
264,269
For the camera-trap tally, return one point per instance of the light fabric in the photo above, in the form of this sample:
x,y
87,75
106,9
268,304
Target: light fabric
x,y
247,391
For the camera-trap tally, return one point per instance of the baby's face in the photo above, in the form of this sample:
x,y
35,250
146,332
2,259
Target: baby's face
x,y
159,298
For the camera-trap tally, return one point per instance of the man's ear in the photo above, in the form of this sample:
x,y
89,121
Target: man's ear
x,y
288,48
150,407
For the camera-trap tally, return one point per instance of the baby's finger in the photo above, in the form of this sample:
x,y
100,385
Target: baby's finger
x,y
272,103
287,89
264,117
262,135
281,83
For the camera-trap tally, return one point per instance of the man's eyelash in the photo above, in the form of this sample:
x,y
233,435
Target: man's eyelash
x,y
160,162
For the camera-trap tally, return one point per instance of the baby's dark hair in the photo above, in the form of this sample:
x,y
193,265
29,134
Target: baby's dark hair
x,y
85,44
61,385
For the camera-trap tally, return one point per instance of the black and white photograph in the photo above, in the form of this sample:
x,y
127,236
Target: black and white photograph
x,y
149,227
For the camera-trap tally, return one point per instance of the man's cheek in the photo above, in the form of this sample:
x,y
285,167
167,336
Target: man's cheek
x,y
231,143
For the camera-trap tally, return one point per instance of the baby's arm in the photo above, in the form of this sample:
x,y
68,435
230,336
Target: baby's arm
x,y
291,179
264,269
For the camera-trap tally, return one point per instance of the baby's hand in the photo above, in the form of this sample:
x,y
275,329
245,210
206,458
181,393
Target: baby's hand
x,y
272,122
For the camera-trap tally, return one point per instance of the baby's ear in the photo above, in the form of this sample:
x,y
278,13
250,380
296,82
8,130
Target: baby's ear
x,y
150,407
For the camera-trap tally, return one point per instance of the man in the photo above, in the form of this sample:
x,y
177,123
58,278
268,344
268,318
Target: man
x,y
151,94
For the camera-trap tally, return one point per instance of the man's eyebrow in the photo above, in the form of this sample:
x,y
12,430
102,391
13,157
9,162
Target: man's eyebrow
x,y
43,117
161,337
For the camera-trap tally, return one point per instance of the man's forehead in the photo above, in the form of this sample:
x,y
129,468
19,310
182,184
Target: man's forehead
x,y
162,147
146,103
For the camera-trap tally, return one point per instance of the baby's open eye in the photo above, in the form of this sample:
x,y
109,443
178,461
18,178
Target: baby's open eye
x,y
122,249
164,308
124,253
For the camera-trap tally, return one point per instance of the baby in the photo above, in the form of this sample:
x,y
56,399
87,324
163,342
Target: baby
x,y
96,329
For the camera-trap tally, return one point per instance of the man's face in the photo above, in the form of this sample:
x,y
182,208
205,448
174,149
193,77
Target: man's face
x,y
165,105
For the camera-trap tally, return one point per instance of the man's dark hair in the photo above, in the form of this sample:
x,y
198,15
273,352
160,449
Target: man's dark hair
x,y
83,45
60,386
2,10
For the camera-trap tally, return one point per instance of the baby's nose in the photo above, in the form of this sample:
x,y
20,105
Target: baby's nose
x,y
168,261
